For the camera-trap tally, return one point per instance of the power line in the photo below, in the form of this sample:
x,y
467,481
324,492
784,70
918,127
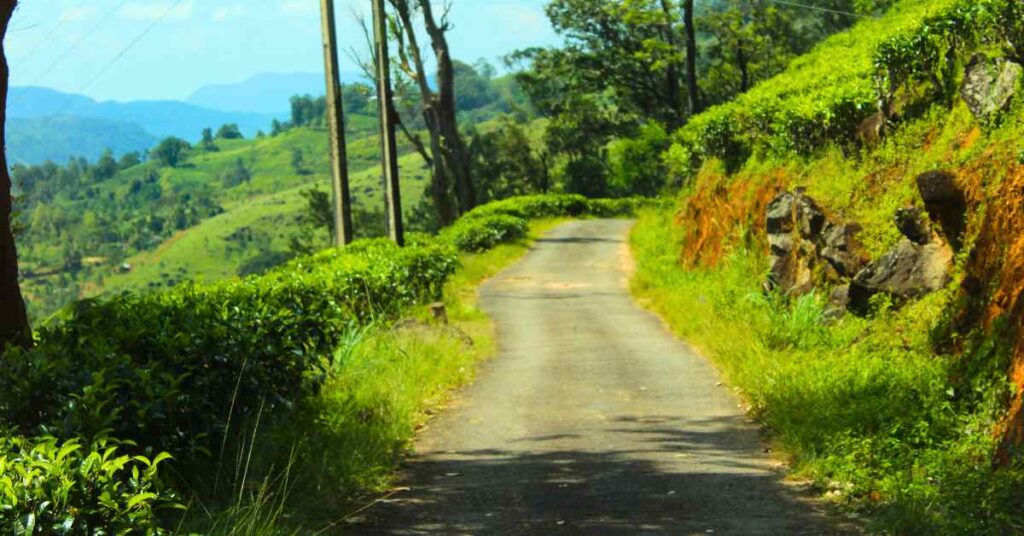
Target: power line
x,y
72,48
819,8
119,55
45,39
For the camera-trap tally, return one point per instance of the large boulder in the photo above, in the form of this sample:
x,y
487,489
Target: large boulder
x,y
802,239
989,84
946,204
910,270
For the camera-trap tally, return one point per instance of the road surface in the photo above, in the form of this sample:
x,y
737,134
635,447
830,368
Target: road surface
x,y
592,420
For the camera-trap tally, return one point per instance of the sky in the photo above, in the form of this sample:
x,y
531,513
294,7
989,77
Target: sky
x,y
166,49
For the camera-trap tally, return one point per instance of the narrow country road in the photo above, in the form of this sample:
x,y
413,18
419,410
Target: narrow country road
x,y
593,420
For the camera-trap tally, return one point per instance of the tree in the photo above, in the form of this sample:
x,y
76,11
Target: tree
x,y
129,160
448,157
229,131
106,166
14,326
240,174
207,140
299,161
170,152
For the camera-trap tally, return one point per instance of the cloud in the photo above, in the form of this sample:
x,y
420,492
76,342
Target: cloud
x,y
298,7
151,11
222,14
78,13
519,18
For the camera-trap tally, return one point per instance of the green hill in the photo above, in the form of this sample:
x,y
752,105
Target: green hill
x,y
227,210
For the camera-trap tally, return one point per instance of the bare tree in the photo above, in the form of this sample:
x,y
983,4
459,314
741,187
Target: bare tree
x,y
14,327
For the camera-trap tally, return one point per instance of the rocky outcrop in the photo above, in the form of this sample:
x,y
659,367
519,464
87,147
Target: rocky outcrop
x,y
808,249
908,271
989,84
803,241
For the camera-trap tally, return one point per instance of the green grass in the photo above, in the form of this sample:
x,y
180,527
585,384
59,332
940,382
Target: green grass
x,y
343,446
862,407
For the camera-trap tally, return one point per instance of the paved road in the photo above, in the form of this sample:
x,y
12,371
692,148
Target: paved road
x,y
593,420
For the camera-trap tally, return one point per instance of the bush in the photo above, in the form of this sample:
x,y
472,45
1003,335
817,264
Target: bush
x,y
481,233
51,488
174,370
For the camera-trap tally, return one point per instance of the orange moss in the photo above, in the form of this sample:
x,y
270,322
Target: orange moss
x,y
718,207
997,263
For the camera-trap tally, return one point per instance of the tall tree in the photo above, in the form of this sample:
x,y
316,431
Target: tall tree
x,y
449,157
14,327
691,58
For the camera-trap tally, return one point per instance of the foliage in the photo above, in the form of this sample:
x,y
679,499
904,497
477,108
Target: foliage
x,y
636,163
505,163
229,132
170,152
481,233
49,487
173,370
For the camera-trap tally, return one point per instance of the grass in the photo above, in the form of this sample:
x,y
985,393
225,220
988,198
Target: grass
x,y
343,446
861,407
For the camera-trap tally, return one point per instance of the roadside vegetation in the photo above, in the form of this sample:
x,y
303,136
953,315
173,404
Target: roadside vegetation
x,y
903,418
232,403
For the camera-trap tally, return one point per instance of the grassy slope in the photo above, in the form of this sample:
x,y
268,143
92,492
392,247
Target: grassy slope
x,y
887,417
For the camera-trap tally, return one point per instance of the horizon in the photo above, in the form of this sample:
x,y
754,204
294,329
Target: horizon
x,y
66,46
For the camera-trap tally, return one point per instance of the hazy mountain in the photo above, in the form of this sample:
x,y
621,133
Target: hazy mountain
x,y
266,93
35,140
159,118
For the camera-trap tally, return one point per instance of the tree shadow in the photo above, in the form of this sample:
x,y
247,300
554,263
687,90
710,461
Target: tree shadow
x,y
653,478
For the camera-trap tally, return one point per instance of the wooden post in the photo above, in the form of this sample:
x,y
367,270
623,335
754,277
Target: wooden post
x,y
336,124
389,147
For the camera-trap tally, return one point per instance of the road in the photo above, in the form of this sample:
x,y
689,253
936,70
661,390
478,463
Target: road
x,y
592,420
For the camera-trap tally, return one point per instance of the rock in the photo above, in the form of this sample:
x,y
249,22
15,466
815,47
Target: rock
x,y
989,84
908,271
913,224
838,303
801,238
839,246
945,202
793,221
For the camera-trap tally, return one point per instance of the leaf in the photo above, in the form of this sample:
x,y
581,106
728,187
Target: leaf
x,y
139,499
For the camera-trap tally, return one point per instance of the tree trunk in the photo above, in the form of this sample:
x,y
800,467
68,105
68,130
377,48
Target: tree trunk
x,y
672,85
453,149
741,63
14,328
691,58
439,185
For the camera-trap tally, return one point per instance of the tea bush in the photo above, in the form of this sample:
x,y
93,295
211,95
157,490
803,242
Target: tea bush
x,y
481,233
824,97
172,370
48,487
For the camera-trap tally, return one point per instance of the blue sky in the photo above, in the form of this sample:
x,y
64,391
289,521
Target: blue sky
x,y
69,44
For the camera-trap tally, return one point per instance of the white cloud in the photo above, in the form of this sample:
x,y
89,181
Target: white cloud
x,y
299,7
519,18
152,11
78,13
222,14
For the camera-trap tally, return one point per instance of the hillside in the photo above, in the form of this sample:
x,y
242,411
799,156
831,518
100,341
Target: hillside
x,y
223,212
58,138
847,248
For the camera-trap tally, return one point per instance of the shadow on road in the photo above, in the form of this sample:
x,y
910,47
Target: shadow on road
x,y
548,490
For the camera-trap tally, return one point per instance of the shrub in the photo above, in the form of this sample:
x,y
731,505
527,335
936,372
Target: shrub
x,y
47,487
174,370
481,233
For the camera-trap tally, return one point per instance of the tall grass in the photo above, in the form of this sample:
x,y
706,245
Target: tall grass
x,y
862,407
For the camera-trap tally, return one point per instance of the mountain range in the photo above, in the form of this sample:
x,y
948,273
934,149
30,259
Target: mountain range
x,y
46,124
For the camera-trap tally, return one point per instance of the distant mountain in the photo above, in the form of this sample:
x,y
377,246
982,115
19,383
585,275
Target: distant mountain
x,y
159,118
36,140
266,93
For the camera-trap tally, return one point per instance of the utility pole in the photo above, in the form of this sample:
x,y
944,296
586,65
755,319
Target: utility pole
x,y
336,124
389,147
